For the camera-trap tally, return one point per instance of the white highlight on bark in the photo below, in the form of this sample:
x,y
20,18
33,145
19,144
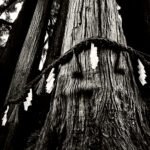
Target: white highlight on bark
x,y
40,85
46,37
44,53
50,81
93,56
46,46
119,16
4,119
42,61
28,103
142,73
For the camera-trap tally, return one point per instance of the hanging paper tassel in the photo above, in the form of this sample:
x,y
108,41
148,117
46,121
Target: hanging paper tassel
x,y
118,7
93,56
28,103
40,85
119,16
50,81
142,73
4,119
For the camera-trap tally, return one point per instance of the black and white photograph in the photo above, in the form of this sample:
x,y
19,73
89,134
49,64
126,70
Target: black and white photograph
x,y
74,74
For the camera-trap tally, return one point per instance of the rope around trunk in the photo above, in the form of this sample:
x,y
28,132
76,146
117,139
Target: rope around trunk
x,y
83,45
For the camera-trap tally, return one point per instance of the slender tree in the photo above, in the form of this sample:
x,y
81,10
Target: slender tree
x,y
102,108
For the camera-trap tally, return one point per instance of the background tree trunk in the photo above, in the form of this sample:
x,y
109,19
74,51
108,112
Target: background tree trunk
x,y
104,109
10,55
31,48
41,102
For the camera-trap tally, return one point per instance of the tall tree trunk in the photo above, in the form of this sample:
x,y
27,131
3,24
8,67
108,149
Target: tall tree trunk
x,y
102,110
38,114
31,49
10,55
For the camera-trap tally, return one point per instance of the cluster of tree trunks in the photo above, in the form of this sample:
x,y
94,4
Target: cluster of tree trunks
x,y
103,108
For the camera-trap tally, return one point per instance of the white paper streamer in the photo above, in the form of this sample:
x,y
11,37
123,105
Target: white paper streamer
x,y
119,16
28,103
142,73
93,56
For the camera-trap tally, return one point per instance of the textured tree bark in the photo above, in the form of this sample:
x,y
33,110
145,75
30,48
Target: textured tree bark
x,y
29,52
10,54
104,109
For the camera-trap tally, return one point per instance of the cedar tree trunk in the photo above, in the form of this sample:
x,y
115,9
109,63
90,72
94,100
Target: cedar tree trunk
x,y
102,110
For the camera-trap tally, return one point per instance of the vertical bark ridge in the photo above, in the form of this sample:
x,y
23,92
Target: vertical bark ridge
x,y
81,22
